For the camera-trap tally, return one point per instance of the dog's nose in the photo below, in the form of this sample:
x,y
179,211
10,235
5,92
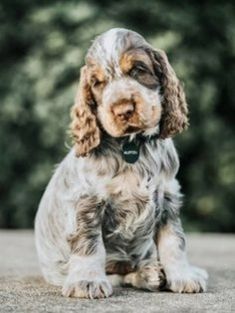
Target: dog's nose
x,y
123,110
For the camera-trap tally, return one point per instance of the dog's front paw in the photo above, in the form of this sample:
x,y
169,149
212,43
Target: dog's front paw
x,y
88,289
189,280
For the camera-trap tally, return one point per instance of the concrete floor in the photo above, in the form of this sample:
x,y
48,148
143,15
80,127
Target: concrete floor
x,y
22,288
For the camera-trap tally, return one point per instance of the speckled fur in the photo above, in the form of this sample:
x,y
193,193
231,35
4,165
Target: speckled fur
x,y
102,215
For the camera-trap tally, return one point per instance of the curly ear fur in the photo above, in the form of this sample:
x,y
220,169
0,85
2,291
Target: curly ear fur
x,y
84,128
175,111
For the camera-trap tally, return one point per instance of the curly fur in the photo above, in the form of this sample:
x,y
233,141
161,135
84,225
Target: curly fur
x,y
84,127
101,220
174,118
175,111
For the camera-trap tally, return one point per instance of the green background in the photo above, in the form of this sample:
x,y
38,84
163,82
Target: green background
x,y
42,46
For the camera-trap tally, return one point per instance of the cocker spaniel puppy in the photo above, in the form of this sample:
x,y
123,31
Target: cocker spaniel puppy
x,y
110,214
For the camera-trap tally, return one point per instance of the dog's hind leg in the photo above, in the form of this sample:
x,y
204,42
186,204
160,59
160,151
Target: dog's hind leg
x,y
149,276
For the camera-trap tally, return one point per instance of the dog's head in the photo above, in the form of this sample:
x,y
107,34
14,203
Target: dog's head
x,y
126,87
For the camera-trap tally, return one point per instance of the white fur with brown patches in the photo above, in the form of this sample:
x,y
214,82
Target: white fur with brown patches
x,y
108,48
131,211
56,218
86,276
126,88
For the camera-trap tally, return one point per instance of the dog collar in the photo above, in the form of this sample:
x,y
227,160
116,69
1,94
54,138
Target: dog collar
x,y
131,149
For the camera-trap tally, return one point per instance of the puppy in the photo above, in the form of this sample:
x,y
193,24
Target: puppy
x,y
110,214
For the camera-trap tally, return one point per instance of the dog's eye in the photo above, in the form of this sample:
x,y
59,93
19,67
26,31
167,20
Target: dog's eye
x,y
144,76
139,69
96,83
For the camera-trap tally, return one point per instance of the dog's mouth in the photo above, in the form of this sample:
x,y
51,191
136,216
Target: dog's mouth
x,y
133,129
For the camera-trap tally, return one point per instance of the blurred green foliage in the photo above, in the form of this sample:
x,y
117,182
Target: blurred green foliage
x,y
43,44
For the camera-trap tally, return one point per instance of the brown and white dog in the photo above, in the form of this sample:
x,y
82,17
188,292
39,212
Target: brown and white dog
x,y
110,214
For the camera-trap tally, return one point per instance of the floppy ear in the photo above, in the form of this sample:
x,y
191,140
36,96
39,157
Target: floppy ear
x,y
175,112
84,128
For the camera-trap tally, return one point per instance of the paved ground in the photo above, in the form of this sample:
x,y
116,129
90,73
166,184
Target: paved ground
x,y
22,289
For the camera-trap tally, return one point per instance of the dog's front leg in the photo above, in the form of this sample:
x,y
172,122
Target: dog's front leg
x,y
86,277
180,276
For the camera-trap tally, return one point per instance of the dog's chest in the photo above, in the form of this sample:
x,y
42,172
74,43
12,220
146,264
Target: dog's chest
x,y
129,216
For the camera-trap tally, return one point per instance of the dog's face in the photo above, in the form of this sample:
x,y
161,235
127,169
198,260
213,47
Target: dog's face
x,y
126,92
126,87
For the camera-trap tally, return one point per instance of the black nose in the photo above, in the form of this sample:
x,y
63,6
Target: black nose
x,y
123,110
